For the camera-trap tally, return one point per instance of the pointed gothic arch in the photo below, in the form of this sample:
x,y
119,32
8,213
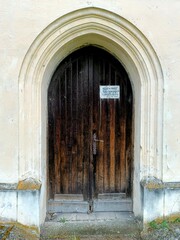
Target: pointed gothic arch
x,y
123,40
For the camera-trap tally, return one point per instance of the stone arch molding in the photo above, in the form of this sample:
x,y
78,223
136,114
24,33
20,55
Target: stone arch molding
x,y
119,37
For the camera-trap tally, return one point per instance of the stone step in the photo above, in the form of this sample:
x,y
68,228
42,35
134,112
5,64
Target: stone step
x,y
122,205
70,197
100,205
68,206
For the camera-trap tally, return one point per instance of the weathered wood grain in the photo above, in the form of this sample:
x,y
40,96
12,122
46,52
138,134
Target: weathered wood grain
x,y
75,113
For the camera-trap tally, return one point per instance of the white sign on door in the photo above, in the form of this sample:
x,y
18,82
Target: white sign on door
x,y
109,92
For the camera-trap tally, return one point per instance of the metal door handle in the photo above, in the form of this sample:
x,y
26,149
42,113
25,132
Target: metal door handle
x,y
95,139
98,140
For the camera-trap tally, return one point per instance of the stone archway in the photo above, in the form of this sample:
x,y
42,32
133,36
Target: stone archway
x,y
123,40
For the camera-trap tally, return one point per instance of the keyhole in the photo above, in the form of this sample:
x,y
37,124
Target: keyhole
x,y
90,207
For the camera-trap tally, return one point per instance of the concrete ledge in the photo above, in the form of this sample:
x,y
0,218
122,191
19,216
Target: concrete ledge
x,y
154,183
159,199
26,184
8,186
19,202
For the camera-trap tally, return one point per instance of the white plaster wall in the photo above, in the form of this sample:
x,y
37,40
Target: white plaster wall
x,y
172,202
8,206
21,22
21,206
28,208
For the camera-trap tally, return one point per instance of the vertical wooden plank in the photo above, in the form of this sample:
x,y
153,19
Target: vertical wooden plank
x,y
74,76
90,102
103,180
112,145
86,136
123,138
69,128
103,159
106,133
117,140
63,177
112,132
56,132
62,128
80,126
95,110
97,121
100,158
65,162
57,153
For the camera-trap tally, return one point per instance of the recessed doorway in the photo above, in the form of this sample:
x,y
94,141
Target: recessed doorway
x,y
90,112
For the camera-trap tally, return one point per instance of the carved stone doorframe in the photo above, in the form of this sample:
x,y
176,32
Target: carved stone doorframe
x,y
123,40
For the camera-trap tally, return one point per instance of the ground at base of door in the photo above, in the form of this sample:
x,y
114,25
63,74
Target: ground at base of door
x,y
103,226
122,227
91,226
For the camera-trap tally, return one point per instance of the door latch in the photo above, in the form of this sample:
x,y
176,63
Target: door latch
x,y
94,145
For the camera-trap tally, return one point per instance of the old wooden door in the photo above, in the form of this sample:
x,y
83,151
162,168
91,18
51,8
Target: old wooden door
x,y
90,134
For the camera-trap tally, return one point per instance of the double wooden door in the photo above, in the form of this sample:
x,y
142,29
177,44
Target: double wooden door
x,y
90,136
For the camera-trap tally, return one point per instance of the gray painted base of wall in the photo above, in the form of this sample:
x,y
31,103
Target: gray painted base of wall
x,y
21,202
20,206
160,199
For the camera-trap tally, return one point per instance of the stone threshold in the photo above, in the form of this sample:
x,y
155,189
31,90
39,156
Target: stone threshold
x,y
94,216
